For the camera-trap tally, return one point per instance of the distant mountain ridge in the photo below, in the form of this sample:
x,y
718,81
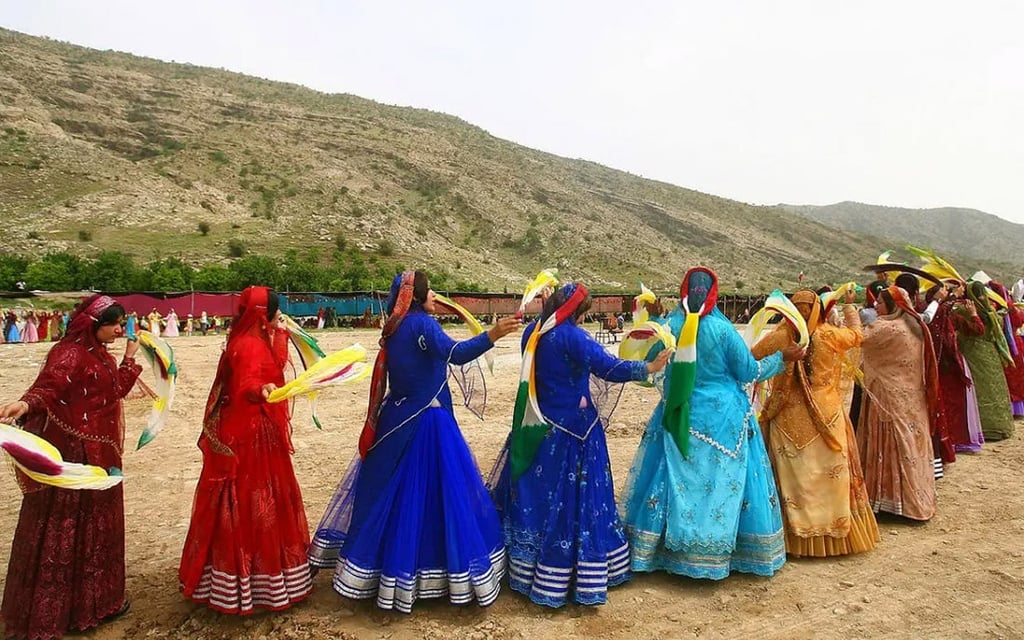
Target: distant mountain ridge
x,y
968,233
110,151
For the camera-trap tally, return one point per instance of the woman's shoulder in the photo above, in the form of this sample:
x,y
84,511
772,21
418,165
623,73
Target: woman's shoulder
x,y
247,346
417,321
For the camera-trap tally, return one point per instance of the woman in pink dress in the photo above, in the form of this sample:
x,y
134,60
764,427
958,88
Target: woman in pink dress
x,y
31,331
171,330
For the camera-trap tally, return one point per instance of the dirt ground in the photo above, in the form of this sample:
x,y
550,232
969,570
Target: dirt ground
x,y
959,576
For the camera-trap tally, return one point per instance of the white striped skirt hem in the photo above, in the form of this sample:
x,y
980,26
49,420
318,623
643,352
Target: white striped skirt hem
x,y
241,594
399,593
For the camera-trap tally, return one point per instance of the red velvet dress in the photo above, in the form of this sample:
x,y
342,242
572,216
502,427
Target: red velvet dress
x,y
246,544
947,323
1015,374
67,568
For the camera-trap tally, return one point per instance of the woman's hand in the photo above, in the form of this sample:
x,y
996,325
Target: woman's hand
x,y
131,348
503,327
851,295
659,362
267,389
971,309
11,412
793,352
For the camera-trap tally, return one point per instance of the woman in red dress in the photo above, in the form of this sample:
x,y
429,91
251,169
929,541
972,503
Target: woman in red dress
x,y
246,545
66,571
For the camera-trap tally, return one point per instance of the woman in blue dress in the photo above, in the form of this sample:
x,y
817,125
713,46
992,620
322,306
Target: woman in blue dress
x,y
412,518
716,509
554,489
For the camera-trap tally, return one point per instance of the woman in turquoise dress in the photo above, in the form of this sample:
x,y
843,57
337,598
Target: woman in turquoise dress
x,y
715,509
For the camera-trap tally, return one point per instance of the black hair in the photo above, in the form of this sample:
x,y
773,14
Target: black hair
x,y
890,304
557,299
111,315
273,303
909,283
932,292
420,287
877,287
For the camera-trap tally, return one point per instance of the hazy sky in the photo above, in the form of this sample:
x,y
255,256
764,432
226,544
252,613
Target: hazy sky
x,y
915,103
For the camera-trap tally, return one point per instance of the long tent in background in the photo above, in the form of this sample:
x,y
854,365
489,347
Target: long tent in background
x,y
355,303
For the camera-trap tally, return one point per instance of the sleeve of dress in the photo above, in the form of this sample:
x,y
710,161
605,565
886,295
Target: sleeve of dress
x,y
127,374
442,345
848,336
775,340
742,364
280,347
56,376
587,351
969,325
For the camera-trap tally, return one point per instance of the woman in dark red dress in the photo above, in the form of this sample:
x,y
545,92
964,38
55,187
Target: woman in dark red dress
x,y
66,571
246,545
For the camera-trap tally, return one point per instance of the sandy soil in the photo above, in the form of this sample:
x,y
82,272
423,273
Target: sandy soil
x,y
959,576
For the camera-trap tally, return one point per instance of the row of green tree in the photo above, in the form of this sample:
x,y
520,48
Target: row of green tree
x,y
311,270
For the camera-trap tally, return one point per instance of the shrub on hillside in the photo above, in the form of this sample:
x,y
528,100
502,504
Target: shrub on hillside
x,y
236,248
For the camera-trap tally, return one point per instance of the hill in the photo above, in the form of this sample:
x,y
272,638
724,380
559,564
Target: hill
x,y
969,233
109,151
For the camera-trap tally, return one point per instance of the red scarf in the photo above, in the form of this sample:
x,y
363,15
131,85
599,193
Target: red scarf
x,y
250,318
379,383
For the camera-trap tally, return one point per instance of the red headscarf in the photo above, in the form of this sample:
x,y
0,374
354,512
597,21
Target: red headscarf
x,y
378,386
80,326
250,319
710,296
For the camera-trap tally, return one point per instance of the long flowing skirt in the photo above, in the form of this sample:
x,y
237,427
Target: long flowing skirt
x,y
990,387
30,334
804,477
897,458
171,330
414,521
246,544
961,406
1015,377
561,526
715,512
66,571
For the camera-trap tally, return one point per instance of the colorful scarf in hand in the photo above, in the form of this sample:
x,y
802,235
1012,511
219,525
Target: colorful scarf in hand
x,y
529,426
401,300
698,296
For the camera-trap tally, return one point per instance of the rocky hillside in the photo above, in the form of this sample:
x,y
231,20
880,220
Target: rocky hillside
x,y
104,150
969,233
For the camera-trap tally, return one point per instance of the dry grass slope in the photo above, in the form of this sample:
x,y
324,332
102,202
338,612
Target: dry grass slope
x,y
105,150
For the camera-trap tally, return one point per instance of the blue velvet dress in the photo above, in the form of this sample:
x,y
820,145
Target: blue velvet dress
x,y
561,525
717,510
414,520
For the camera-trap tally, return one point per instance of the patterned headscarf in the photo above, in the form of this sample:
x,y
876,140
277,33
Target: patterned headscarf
x,y
400,299
80,326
